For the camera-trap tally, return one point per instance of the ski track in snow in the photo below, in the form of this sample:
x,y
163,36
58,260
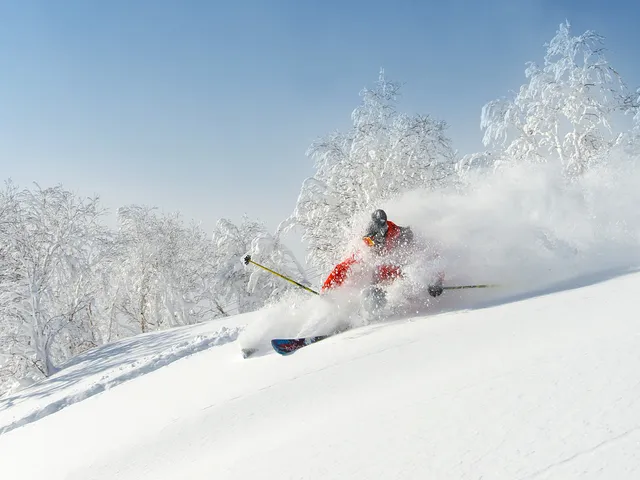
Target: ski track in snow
x,y
582,453
106,367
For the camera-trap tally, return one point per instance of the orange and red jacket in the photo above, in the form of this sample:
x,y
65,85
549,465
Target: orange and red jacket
x,y
384,272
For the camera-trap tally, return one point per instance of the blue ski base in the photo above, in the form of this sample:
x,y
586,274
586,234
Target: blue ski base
x,y
287,346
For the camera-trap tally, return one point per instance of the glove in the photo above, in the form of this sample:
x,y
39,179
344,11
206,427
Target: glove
x,y
435,290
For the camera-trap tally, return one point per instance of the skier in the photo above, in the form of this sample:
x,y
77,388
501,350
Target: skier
x,y
389,243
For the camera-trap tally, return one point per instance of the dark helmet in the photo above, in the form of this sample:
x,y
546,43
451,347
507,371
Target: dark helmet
x,y
379,217
377,228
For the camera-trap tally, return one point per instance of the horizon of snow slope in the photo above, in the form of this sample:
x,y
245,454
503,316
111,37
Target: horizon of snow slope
x,y
541,387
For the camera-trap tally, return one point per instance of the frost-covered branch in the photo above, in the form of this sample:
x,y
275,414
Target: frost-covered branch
x,y
565,113
384,154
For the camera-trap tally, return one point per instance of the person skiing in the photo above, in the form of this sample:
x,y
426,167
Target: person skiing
x,y
389,243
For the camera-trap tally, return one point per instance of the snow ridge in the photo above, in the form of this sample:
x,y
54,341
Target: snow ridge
x,y
115,364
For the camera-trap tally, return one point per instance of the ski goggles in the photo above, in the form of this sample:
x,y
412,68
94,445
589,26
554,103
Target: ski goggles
x,y
375,240
369,241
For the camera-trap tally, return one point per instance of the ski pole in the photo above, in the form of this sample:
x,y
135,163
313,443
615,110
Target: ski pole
x,y
460,287
247,260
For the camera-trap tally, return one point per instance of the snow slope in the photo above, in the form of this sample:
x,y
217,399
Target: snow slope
x,y
110,365
541,387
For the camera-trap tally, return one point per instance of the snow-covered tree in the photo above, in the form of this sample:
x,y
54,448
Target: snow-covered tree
x,y
135,272
50,244
248,287
232,242
165,275
271,251
67,283
632,146
475,162
384,154
565,112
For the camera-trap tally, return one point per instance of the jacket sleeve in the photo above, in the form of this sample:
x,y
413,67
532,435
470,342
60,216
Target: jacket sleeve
x,y
339,274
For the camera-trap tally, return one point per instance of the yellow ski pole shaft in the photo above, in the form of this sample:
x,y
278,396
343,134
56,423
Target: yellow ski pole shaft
x,y
247,260
461,287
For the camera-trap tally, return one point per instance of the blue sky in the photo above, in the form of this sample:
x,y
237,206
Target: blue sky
x,y
208,107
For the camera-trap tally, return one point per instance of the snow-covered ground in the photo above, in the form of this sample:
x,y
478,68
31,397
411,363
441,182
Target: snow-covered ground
x,y
108,366
542,386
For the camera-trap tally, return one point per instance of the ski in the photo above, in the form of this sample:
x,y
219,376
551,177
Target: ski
x,y
287,346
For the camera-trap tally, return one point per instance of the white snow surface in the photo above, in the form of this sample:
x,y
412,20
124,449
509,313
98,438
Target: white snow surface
x,y
108,366
545,385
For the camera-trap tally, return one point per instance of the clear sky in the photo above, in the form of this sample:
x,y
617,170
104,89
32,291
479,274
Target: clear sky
x,y
207,107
